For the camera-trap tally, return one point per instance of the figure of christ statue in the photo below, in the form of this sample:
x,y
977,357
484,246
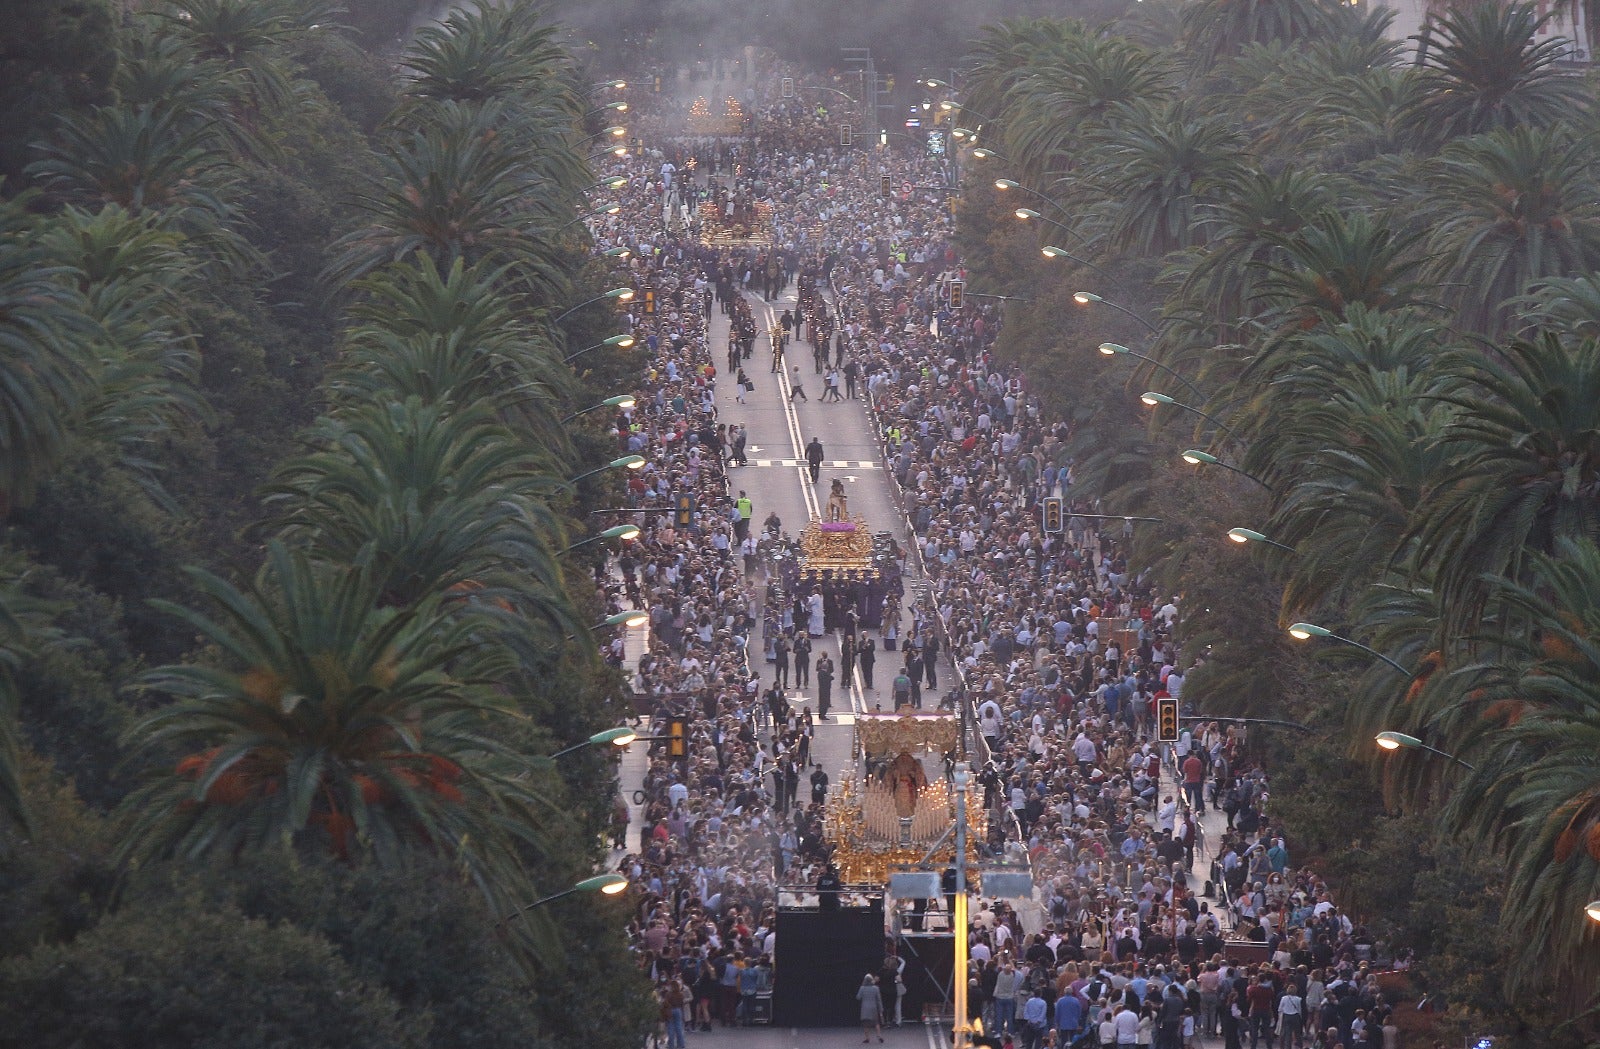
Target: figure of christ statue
x,y
838,508
906,778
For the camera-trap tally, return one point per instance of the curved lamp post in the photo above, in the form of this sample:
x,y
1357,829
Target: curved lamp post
x,y
1152,398
1592,910
1393,741
603,209
620,341
615,131
620,294
621,400
1083,298
617,84
1302,631
627,462
1025,214
624,532
1050,251
619,106
1195,457
617,737
606,884
618,252
1247,535
615,151
984,153
1112,349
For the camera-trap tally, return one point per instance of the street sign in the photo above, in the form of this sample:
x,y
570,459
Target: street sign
x,y
1052,515
1167,720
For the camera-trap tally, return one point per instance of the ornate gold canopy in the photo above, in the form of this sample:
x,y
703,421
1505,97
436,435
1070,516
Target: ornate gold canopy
x,y
907,732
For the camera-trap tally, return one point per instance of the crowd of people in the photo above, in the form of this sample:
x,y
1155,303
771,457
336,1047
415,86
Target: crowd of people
x,y
1058,645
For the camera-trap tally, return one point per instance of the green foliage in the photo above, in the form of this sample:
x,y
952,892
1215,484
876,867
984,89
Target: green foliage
x,y
58,57
169,974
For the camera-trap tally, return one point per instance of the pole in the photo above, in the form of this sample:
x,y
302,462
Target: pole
x,y
960,1035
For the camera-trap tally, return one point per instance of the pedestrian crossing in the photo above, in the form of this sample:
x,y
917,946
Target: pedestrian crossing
x,y
835,464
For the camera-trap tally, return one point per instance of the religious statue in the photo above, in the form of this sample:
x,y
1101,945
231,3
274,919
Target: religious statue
x,y
838,509
906,778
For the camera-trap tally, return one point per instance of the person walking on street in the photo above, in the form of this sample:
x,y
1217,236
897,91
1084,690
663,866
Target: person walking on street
x,y
802,661
780,662
814,458
744,508
824,685
797,386
871,1009
867,655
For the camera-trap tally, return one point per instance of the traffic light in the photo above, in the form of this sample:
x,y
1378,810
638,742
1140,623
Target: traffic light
x,y
958,291
683,511
787,86
1167,720
887,184
649,301
846,135
1052,515
678,738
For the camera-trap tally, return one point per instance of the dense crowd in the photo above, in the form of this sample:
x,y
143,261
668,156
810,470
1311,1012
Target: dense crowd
x,y
1061,649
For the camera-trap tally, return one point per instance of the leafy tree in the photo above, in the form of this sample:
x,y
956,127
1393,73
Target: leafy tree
x,y
58,58
170,975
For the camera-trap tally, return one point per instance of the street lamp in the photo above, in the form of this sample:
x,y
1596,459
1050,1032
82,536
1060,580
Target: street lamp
x,y
603,209
1392,741
984,153
615,131
619,106
1083,298
627,462
625,532
620,736
1152,398
1247,535
617,252
1195,457
617,84
618,151
935,84
1593,911
632,618
606,884
620,341
1050,251
1111,349
1303,631
620,294
621,400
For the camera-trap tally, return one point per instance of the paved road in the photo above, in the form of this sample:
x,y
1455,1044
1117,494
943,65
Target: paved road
x,y
777,479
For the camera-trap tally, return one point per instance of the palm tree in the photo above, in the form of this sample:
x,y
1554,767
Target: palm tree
x,y
455,190
1217,28
140,159
1525,472
1156,169
42,369
1528,718
1051,107
22,619
427,498
333,724
1484,67
1512,208
455,337
1010,50
249,37
142,372
483,54
1335,263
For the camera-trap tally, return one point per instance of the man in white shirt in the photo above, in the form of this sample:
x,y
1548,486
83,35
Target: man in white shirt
x,y
1127,1023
